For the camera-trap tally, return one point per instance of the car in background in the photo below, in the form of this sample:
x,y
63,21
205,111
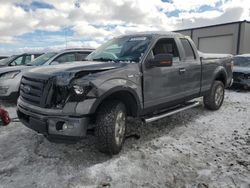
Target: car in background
x,y
10,77
241,71
18,60
3,57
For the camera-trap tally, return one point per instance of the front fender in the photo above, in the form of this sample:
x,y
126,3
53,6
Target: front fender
x,y
105,90
118,82
110,87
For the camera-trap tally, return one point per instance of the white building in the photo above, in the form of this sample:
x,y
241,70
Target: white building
x,y
233,38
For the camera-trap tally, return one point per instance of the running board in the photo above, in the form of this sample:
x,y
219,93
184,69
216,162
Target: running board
x,y
169,113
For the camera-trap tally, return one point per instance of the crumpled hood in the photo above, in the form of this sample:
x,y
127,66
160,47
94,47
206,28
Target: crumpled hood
x,y
64,73
76,67
245,70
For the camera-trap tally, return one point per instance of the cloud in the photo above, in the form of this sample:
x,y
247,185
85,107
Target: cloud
x,y
193,4
91,22
189,20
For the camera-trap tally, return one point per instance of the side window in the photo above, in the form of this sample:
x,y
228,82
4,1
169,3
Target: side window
x,y
166,46
36,55
80,56
69,57
189,52
27,59
18,61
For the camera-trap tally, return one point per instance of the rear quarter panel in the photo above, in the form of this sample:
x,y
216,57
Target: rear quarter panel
x,y
211,67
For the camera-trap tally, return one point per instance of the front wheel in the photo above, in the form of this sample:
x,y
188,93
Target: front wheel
x,y
215,98
111,127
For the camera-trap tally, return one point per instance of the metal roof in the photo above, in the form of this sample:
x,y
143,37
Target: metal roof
x,y
216,25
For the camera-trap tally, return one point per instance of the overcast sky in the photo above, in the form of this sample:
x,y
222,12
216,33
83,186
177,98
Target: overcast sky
x,y
53,24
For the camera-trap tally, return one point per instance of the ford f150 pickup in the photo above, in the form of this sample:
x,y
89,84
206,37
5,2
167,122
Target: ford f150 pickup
x,y
143,75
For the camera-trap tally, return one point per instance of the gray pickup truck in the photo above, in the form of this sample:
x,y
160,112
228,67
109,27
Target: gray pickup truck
x,y
143,75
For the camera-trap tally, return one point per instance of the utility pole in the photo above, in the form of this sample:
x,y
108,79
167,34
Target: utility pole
x,y
65,34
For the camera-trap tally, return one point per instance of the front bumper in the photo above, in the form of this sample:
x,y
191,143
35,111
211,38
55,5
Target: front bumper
x,y
58,127
242,82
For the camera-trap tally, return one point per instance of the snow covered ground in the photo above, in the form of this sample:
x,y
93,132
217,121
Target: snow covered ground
x,y
195,148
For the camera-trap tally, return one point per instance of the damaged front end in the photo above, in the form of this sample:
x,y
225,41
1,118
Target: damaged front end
x,y
55,91
48,105
73,90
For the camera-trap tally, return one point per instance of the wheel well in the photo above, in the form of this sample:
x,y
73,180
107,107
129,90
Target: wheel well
x,y
221,77
128,100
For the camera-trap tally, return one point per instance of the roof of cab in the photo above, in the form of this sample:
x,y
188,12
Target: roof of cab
x,y
156,33
77,49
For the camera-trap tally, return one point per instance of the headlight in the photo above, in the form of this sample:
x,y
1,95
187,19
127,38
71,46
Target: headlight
x,y
80,93
9,75
81,90
78,89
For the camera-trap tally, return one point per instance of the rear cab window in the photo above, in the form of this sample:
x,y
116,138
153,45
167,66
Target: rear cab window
x,y
188,49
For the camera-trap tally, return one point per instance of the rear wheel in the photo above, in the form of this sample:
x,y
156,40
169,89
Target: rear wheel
x,y
111,127
215,98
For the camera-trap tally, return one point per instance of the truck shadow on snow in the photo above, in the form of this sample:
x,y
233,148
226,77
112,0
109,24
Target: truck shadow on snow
x,y
84,153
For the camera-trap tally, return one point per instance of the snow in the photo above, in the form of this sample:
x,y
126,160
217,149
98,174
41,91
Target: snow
x,y
195,148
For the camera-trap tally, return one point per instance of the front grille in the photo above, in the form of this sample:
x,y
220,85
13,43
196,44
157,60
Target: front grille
x,y
32,90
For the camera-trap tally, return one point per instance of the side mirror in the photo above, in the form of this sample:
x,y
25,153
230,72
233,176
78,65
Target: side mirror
x,y
54,63
161,60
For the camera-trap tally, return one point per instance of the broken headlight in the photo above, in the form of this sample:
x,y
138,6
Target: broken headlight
x,y
81,91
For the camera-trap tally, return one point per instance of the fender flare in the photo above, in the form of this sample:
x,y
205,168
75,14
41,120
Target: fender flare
x,y
111,91
220,71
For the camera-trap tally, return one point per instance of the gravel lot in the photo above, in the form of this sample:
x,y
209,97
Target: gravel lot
x,y
196,148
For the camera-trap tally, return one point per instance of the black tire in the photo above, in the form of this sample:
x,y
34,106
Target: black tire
x,y
211,101
107,128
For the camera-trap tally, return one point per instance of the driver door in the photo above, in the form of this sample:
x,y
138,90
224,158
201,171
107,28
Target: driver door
x,y
161,85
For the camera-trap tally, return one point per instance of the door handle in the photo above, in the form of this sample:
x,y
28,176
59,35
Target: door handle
x,y
182,70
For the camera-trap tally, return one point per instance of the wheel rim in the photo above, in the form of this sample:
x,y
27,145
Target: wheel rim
x,y
120,127
219,94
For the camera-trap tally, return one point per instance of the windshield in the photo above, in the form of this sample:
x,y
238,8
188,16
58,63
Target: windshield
x,y
129,49
42,59
242,61
7,60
